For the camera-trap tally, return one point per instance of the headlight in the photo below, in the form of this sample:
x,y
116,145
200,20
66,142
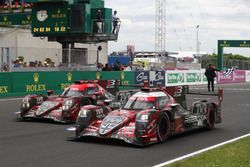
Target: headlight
x,y
83,113
26,105
67,104
26,99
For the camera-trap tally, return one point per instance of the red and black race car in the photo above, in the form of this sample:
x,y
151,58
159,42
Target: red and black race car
x,y
66,106
149,116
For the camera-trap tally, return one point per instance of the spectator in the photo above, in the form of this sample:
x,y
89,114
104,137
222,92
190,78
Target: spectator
x,y
99,21
106,68
16,64
115,21
117,66
99,66
5,67
40,64
24,64
128,68
210,74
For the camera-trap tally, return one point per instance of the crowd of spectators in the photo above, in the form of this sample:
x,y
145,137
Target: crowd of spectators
x,y
116,67
14,4
17,64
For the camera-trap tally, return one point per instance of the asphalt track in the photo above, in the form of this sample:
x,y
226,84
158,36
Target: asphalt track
x,y
44,144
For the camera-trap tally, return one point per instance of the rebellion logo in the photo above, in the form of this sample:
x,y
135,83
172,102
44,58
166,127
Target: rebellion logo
x,y
109,123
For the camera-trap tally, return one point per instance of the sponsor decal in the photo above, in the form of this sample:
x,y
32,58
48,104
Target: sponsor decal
x,y
153,139
45,106
98,75
122,75
175,78
237,76
100,113
3,89
124,96
36,77
69,76
141,76
193,77
229,71
157,78
195,119
39,100
35,87
110,123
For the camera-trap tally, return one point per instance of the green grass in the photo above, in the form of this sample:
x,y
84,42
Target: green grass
x,y
236,154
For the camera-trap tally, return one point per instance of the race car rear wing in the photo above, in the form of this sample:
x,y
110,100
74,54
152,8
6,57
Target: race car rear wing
x,y
219,93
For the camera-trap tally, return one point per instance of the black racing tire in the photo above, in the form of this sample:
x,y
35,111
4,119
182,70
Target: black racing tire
x,y
78,131
211,120
163,128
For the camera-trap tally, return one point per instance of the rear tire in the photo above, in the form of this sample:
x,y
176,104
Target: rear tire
x,y
163,128
211,120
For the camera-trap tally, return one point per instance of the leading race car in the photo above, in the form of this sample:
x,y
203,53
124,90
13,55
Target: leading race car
x,y
149,116
66,106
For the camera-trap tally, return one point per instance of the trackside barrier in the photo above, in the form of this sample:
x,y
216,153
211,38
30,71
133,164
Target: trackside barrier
x,y
247,75
185,77
237,76
21,83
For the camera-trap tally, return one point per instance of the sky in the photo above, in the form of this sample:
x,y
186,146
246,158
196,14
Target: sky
x,y
217,20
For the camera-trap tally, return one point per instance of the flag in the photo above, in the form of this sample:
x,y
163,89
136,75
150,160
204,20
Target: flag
x,y
229,71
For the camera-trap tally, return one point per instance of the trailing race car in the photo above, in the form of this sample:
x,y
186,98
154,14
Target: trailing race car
x,y
149,116
66,106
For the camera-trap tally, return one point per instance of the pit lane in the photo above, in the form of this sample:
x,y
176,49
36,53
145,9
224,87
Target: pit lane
x,y
29,144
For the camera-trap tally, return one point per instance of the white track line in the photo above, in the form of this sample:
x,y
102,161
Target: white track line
x,y
14,99
200,151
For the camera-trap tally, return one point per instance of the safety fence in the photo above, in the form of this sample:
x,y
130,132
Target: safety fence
x,y
21,83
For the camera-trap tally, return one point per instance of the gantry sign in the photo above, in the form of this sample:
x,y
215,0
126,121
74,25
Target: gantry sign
x,y
63,21
229,43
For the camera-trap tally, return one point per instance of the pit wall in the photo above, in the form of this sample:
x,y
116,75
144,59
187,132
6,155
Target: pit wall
x,y
15,84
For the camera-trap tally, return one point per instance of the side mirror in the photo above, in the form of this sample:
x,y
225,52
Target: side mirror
x,y
107,101
97,95
50,92
174,106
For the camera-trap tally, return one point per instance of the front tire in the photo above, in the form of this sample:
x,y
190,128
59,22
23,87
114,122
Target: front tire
x,y
163,128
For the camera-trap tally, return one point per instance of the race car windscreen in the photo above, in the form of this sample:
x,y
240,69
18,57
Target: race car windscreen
x,y
140,103
90,90
71,93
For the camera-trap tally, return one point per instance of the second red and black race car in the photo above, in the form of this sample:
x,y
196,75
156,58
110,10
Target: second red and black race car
x,y
66,106
149,116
